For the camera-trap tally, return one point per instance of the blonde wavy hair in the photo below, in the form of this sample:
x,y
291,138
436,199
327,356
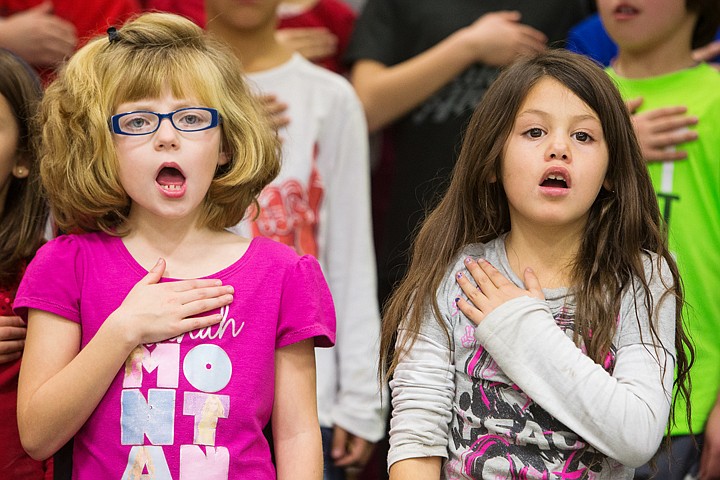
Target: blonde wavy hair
x,y
155,51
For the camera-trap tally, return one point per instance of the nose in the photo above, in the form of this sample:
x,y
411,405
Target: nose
x,y
166,136
558,149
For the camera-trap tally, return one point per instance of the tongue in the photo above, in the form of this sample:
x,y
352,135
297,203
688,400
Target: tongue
x,y
170,176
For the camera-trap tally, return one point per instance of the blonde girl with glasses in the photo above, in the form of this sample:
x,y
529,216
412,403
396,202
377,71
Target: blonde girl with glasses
x,y
160,341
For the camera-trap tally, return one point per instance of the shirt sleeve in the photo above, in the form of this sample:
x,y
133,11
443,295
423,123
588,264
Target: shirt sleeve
x,y
306,308
623,414
423,387
52,280
348,258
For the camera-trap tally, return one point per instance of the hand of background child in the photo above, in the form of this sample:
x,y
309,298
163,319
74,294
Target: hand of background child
x,y
492,290
708,53
153,312
12,338
498,38
659,131
350,451
313,43
38,36
275,110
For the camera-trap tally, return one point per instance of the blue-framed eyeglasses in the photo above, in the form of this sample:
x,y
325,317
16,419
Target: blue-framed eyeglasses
x,y
142,122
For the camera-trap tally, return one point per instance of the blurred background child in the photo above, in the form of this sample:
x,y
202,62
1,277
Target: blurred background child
x,y
655,62
319,204
23,216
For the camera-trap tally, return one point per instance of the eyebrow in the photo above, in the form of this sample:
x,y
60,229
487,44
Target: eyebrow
x,y
542,113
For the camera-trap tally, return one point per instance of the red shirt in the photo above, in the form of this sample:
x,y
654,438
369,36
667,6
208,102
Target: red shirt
x,y
334,15
14,462
90,17
191,9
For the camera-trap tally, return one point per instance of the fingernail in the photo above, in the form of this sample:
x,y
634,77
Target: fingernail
x,y
457,299
468,260
459,275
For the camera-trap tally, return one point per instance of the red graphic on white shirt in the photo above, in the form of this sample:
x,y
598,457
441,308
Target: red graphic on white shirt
x,y
289,213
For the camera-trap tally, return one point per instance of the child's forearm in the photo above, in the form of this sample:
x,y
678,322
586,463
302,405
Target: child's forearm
x,y
387,93
416,469
300,457
60,385
296,431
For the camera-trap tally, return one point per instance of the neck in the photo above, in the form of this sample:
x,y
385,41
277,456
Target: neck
x,y
549,251
167,238
644,66
257,49
178,242
672,54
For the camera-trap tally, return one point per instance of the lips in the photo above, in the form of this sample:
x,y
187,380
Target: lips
x,y
625,11
555,177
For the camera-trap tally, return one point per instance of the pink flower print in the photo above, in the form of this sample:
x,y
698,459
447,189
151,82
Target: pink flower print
x,y
468,340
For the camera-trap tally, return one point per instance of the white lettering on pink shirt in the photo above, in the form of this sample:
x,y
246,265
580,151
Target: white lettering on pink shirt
x,y
207,368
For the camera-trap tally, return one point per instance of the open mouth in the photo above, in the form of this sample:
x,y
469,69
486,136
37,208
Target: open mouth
x,y
555,180
626,10
170,179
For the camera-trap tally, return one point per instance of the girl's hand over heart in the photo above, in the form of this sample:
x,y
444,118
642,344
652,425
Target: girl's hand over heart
x,y
492,290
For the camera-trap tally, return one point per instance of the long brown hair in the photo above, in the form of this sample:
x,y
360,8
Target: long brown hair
x,y
25,212
622,227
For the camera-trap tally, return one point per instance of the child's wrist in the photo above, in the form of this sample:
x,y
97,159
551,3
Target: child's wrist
x,y
114,328
463,46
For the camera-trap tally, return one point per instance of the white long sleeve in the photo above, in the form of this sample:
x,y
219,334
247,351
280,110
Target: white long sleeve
x,y
320,204
349,263
623,415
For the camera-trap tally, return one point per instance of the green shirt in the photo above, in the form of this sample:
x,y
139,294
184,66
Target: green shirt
x,y
689,197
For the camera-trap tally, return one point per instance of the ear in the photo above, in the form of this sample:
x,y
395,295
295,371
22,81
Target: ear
x,y
607,185
20,170
223,158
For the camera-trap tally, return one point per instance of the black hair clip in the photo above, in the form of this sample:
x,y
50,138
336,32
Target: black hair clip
x,y
113,35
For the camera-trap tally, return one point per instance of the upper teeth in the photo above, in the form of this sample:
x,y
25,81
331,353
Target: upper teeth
x,y
556,177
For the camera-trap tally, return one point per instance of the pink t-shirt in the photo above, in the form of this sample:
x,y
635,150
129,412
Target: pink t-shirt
x,y
192,407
